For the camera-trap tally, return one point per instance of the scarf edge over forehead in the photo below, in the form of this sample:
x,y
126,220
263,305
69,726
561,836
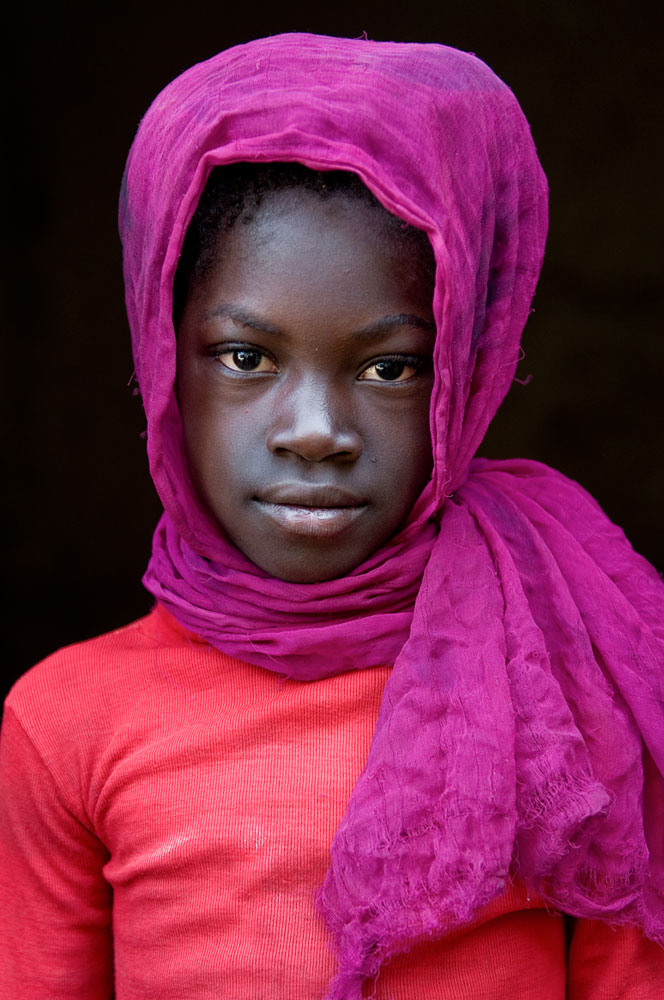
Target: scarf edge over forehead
x,y
522,728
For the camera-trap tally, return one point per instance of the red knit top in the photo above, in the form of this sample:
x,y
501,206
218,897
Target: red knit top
x,y
166,818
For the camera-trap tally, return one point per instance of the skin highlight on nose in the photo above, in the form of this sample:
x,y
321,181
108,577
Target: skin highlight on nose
x,y
315,425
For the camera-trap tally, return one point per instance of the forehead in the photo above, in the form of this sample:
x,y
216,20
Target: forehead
x,y
323,247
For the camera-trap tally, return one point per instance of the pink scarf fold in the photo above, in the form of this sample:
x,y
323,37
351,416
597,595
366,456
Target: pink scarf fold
x,y
522,728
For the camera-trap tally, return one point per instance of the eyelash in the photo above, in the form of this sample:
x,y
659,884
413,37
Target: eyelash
x,y
227,349
414,361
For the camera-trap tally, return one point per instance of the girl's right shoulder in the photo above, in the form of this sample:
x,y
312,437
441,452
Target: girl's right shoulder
x,y
87,709
95,679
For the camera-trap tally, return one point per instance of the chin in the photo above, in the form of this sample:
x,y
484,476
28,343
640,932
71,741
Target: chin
x,y
307,574
305,569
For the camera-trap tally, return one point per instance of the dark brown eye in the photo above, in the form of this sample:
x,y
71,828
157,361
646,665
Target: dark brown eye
x,y
390,370
245,359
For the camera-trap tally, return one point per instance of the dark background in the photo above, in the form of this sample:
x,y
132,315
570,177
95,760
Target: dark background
x,y
80,506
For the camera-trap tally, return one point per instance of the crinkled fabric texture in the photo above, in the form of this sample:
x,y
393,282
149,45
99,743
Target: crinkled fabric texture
x,y
522,729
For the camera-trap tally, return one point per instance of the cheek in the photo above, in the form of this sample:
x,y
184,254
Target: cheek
x,y
213,446
418,462
405,456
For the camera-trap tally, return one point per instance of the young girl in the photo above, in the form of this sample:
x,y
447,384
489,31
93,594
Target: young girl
x,y
397,710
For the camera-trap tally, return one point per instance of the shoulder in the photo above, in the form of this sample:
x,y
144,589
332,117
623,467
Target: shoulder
x,y
72,674
93,686
82,707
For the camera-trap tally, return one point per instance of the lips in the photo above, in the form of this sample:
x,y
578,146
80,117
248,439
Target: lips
x,y
312,511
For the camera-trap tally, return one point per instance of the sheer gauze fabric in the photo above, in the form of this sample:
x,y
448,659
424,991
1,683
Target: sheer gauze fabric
x,y
522,728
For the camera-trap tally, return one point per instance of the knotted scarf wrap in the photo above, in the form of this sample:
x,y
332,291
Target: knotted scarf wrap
x,y
522,728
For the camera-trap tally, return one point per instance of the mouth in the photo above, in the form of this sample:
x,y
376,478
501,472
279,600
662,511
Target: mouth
x,y
310,511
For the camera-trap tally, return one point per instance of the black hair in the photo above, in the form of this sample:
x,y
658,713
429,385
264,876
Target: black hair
x,y
234,193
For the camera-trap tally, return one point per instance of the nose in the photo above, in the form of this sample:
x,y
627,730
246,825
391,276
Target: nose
x,y
314,421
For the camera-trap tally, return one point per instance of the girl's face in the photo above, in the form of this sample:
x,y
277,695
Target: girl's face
x,y
304,377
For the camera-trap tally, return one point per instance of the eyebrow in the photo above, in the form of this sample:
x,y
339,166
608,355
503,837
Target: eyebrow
x,y
243,318
369,332
387,323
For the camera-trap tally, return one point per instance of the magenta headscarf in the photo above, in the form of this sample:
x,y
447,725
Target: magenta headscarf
x,y
522,728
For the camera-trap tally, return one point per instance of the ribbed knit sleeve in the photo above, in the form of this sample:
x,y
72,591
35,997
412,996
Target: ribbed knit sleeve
x,y
55,906
613,963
